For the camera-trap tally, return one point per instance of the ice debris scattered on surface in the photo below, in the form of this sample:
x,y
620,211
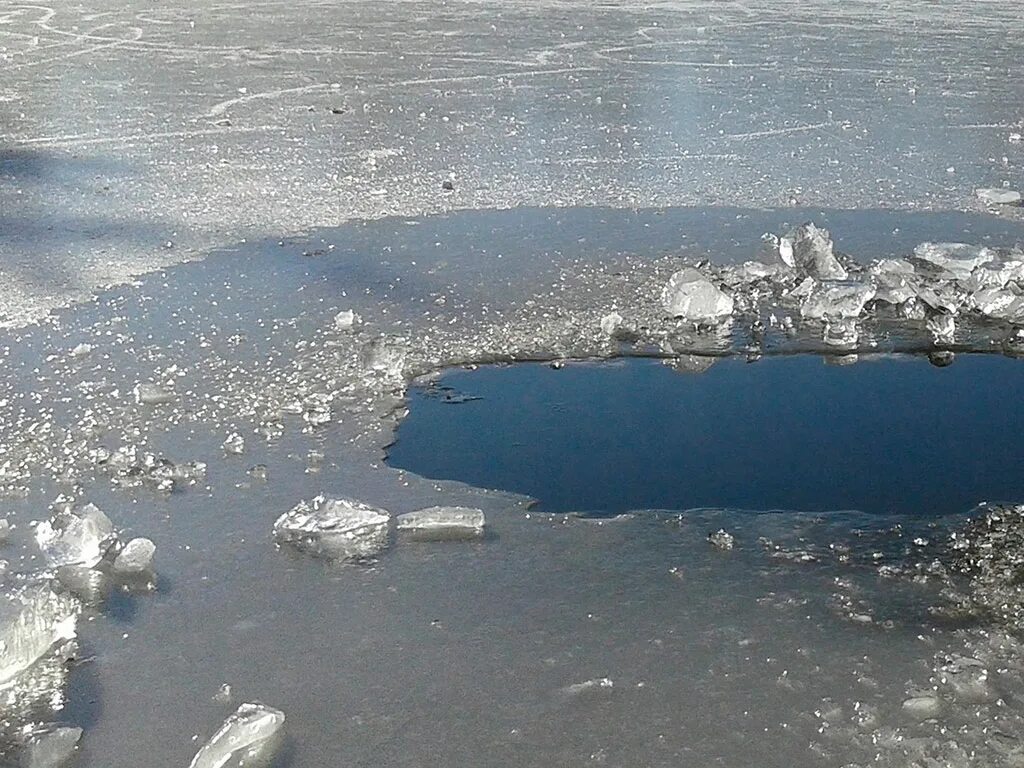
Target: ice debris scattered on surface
x,y
82,537
249,736
136,557
234,444
49,746
691,296
45,621
340,529
442,523
130,468
998,196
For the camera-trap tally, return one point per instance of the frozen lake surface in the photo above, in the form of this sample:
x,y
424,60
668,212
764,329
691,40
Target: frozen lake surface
x,y
257,224
886,435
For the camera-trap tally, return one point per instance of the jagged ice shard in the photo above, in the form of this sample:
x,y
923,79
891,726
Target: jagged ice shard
x,y
44,620
247,738
691,296
80,538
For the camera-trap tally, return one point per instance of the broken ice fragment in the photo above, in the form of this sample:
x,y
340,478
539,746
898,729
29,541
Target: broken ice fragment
x,y
5,530
942,328
153,394
691,296
346,320
81,350
248,735
810,250
999,303
923,707
384,356
234,444
442,523
587,687
611,322
951,259
338,528
136,557
837,298
722,539
316,409
998,196
45,620
76,538
49,747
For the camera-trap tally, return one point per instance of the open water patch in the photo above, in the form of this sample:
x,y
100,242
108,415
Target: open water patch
x,y
890,434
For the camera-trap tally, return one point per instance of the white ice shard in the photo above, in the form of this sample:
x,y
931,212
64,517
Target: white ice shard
x,y
5,530
249,735
809,249
996,196
346,320
442,523
722,539
955,260
691,296
153,394
234,444
338,528
136,557
837,298
81,350
610,323
587,687
43,620
49,747
80,537
942,328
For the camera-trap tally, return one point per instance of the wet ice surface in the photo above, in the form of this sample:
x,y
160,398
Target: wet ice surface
x,y
888,434
196,124
811,631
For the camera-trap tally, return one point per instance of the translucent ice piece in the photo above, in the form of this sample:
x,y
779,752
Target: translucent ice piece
x,y
691,296
76,538
346,320
49,747
247,737
810,250
44,619
153,394
998,196
442,523
837,298
337,528
951,259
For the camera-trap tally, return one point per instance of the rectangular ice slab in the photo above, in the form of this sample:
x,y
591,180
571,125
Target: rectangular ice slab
x,y
248,735
442,524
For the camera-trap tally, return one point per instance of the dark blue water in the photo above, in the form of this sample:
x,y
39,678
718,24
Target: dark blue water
x,y
884,435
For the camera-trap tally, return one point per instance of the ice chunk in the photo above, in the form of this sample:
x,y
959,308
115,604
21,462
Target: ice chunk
x,y
842,332
923,707
942,327
153,394
81,350
249,735
951,259
76,538
442,523
998,196
337,528
136,557
837,298
999,303
346,320
722,539
810,250
587,687
610,323
44,620
5,530
49,747
316,409
384,356
692,296
234,444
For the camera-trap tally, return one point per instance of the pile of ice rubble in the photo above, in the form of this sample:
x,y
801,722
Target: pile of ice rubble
x,y
803,281
347,530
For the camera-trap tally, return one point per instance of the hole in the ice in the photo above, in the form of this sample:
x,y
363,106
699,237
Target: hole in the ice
x,y
884,435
